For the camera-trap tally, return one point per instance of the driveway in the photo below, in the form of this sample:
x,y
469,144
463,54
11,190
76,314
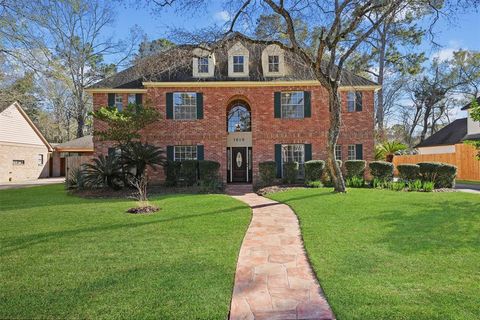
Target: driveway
x,y
30,183
472,188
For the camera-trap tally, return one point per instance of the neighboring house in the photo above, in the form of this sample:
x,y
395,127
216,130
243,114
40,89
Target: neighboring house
x,y
444,140
24,152
240,104
81,147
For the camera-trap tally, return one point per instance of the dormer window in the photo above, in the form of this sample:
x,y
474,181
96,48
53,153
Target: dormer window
x,y
238,64
238,61
203,65
273,61
273,64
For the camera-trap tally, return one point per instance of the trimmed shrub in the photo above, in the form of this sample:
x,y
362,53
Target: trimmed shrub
x,y
188,172
314,170
408,172
441,174
326,178
290,172
267,172
355,168
381,170
208,171
172,172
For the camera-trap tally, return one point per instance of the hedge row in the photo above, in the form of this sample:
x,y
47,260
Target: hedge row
x,y
189,172
441,174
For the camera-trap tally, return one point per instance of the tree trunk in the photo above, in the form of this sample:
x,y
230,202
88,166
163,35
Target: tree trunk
x,y
380,114
80,125
333,133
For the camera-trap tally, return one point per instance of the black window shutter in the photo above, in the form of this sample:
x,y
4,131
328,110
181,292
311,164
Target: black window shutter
x,y
200,152
307,108
199,105
138,98
111,99
278,159
359,151
358,101
169,96
111,152
308,152
277,104
170,151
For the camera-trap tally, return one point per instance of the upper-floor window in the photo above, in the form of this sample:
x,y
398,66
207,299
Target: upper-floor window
x,y
203,65
185,105
338,152
132,98
354,101
273,64
18,162
238,64
185,153
119,101
292,104
239,119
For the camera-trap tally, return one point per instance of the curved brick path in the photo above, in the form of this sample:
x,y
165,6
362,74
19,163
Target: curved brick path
x,y
274,279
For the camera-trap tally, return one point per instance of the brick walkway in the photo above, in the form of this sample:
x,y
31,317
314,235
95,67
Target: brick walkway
x,y
274,279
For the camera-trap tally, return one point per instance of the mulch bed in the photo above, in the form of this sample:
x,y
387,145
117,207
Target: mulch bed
x,y
143,210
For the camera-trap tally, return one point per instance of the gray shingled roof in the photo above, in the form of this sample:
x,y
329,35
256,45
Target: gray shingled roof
x,y
175,65
453,133
80,143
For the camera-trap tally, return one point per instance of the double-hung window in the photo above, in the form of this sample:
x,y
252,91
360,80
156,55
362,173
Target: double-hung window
x,y
238,64
292,104
294,153
338,152
203,65
185,105
354,101
40,159
119,101
351,152
185,153
132,98
273,64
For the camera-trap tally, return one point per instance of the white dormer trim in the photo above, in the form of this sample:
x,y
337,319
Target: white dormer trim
x,y
202,53
273,50
473,127
238,50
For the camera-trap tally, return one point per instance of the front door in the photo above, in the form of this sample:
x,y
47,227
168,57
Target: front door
x,y
239,164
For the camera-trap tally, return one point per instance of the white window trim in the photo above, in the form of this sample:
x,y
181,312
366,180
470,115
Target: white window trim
x,y
174,113
130,95
354,152
179,146
339,148
202,53
119,95
273,50
238,50
281,105
292,144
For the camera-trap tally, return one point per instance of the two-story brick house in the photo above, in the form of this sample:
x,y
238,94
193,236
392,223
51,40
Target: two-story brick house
x,y
240,103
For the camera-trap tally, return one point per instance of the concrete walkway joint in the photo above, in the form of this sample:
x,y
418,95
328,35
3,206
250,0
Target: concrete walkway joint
x,y
274,279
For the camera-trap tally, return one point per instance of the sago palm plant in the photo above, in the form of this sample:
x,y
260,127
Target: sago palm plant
x,y
388,149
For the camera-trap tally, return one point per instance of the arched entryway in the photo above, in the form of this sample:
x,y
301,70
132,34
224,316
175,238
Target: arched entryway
x,y
239,141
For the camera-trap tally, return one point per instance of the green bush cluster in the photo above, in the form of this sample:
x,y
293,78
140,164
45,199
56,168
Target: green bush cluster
x,y
290,172
401,185
191,172
441,174
355,182
267,171
381,170
314,170
408,172
355,168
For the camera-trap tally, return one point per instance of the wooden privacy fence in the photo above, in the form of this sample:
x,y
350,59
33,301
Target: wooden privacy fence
x,y
464,158
74,162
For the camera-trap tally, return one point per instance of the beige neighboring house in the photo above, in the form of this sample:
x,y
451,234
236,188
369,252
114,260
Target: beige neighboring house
x,y
24,152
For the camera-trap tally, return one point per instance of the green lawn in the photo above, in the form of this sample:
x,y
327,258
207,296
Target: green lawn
x,y
393,255
66,257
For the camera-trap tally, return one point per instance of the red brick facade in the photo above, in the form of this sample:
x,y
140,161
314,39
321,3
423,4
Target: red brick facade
x,y
211,131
